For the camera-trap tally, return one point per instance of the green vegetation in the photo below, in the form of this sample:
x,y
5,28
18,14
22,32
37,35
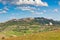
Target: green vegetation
x,y
26,26
51,35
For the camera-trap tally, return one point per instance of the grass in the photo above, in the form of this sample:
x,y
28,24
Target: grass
x,y
52,35
10,33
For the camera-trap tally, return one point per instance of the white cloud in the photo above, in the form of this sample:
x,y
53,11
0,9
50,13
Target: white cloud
x,y
3,2
27,8
3,11
44,11
20,2
36,12
55,10
36,2
39,13
12,17
33,10
59,2
6,8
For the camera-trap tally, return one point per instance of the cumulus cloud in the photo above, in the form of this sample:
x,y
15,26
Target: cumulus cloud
x,y
26,8
33,10
35,2
30,2
20,2
26,2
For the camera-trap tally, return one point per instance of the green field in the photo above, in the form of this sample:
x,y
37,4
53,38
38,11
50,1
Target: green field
x,y
34,29
51,35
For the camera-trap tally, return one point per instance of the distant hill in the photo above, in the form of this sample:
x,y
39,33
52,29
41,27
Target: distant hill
x,y
29,25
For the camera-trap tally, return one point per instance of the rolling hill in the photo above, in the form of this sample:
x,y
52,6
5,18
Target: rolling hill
x,y
28,25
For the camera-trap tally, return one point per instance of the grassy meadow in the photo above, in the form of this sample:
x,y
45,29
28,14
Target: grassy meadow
x,y
51,35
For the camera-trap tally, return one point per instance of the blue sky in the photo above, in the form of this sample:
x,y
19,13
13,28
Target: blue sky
x,y
15,9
